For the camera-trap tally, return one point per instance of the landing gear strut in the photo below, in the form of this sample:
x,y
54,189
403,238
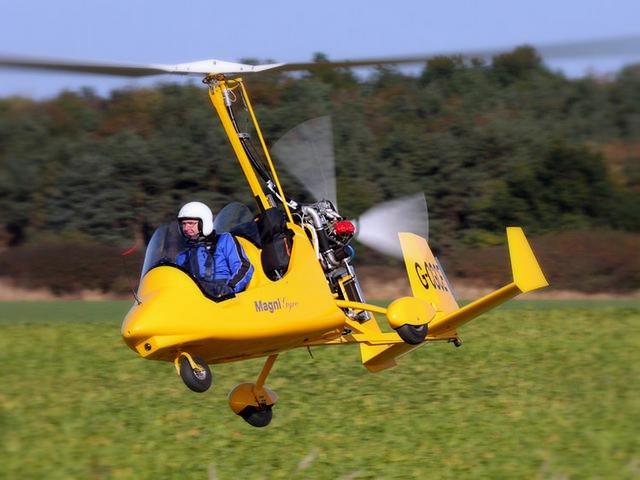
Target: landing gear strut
x,y
253,401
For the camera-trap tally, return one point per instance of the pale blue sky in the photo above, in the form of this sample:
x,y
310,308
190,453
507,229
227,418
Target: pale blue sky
x,y
164,31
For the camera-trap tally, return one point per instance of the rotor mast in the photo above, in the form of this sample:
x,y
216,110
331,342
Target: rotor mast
x,y
221,92
219,96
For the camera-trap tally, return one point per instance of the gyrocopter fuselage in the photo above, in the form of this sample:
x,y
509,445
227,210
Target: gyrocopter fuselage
x,y
304,292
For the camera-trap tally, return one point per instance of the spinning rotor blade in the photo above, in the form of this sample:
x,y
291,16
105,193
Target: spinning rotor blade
x,y
605,47
627,45
203,67
378,227
307,153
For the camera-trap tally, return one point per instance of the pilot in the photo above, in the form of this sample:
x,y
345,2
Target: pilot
x,y
216,260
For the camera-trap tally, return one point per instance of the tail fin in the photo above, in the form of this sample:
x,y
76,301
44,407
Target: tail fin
x,y
527,274
426,277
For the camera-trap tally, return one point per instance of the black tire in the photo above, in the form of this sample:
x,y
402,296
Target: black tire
x,y
257,416
412,334
196,381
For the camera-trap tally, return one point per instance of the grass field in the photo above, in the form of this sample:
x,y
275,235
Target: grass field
x,y
539,390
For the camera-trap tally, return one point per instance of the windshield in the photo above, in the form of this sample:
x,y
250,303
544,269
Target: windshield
x,y
237,219
231,216
165,244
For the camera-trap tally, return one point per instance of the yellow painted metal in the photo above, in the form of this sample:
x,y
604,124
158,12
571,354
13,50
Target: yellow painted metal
x,y
267,318
378,350
249,394
376,347
265,370
192,363
527,274
361,306
374,344
369,332
216,95
448,323
176,363
254,394
426,277
376,358
274,174
409,310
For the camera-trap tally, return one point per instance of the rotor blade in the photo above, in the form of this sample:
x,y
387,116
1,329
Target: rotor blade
x,y
605,47
617,46
129,70
378,227
202,67
307,153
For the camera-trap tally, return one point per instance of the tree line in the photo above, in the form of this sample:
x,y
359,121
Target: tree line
x,y
490,143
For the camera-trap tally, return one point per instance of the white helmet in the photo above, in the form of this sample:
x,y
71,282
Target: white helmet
x,y
198,211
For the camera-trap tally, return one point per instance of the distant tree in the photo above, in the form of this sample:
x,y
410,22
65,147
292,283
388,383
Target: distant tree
x,y
516,65
441,68
336,77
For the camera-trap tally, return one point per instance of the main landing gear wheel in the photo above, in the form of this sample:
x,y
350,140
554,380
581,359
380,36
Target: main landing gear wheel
x,y
199,379
412,334
257,416
253,403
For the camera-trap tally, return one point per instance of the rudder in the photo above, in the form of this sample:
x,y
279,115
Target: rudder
x,y
426,276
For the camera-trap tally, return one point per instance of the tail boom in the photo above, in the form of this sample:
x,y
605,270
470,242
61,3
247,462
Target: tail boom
x,y
446,325
527,276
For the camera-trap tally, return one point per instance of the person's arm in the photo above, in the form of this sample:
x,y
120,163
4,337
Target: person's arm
x,y
181,258
239,265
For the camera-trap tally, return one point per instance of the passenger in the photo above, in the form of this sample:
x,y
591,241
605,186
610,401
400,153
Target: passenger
x,y
217,261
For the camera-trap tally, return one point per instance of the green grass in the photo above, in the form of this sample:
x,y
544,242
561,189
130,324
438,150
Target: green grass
x,y
539,390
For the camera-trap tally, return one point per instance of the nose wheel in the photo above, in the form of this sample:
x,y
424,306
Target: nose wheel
x,y
194,371
254,402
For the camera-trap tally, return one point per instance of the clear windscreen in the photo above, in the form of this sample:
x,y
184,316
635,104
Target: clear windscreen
x,y
231,216
163,248
237,219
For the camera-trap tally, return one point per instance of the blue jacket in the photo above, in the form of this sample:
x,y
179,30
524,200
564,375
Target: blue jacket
x,y
228,262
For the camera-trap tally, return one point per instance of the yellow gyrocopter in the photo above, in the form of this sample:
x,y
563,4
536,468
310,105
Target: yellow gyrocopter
x,y
305,291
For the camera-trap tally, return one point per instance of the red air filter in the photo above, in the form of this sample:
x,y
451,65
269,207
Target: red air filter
x,y
344,227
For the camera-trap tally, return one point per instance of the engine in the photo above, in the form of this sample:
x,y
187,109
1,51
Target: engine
x,y
331,234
